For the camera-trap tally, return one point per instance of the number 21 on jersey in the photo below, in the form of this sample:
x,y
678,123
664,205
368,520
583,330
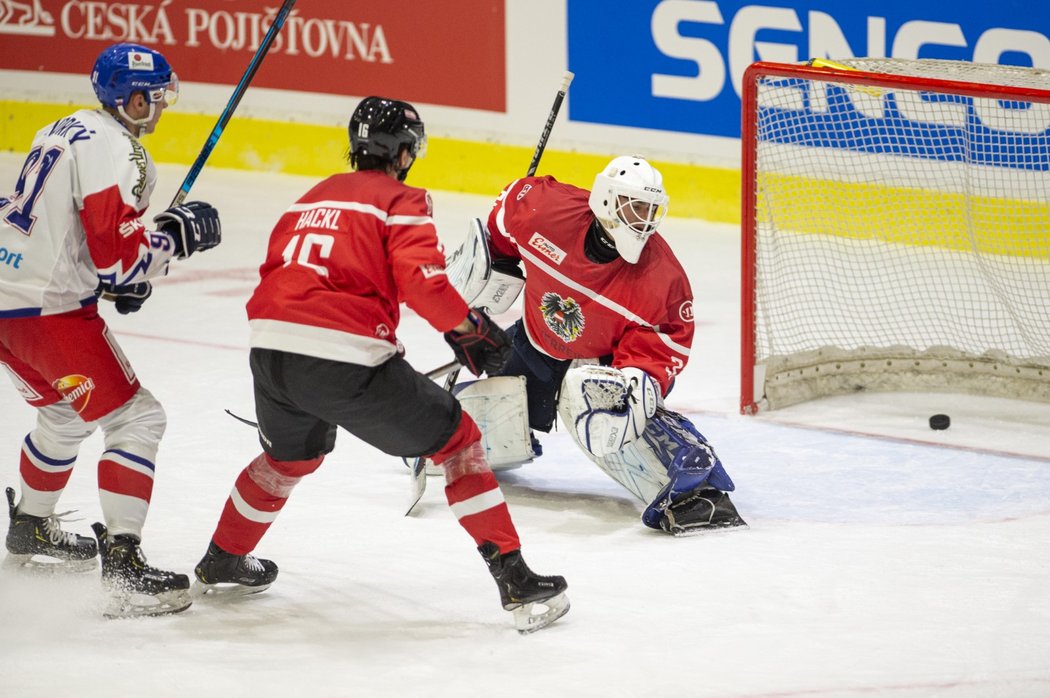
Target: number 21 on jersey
x,y
35,171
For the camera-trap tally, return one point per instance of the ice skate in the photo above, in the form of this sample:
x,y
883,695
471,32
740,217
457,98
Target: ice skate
x,y
136,588
534,600
222,573
38,544
702,510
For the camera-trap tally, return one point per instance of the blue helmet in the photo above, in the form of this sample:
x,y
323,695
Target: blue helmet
x,y
123,69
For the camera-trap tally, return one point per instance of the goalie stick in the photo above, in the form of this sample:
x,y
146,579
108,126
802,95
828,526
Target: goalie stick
x,y
419,477
231,105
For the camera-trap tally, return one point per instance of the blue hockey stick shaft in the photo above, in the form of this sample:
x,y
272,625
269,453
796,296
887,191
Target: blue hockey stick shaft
x,y
235,99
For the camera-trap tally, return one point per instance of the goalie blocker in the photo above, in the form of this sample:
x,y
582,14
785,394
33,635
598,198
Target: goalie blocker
x,y
483,284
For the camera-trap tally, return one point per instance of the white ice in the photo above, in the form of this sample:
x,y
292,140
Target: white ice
x,y
882,558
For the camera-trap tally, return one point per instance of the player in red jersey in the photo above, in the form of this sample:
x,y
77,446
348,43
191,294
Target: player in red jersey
x,y
325,353
73,228
602,287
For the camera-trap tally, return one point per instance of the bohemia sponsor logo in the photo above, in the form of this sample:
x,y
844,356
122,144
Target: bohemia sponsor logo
x,y
76,389
146,23
547,248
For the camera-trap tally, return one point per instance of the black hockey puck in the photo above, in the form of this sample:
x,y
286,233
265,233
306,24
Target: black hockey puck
x,y
940,421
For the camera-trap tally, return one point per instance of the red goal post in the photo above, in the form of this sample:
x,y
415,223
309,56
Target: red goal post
x,y
895,230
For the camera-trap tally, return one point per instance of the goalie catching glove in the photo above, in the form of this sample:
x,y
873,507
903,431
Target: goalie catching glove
x,y
609,407
485,348
192,226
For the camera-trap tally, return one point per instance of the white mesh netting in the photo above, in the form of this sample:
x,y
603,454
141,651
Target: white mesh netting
x,y
901,231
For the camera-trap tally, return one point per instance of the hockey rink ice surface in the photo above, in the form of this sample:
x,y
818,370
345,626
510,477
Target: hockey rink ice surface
x,y
882,559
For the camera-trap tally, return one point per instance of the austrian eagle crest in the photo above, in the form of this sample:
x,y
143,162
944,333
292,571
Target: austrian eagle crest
x,y
562,315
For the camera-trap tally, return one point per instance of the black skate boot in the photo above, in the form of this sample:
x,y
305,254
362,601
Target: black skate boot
x,y
701,510
136,588
38,544
221,573
521,589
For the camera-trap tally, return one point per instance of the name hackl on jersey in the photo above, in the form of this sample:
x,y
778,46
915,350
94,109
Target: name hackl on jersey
x,y
222,29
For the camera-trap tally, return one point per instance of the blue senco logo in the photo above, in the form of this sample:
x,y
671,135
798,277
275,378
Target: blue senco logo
x,y
677,65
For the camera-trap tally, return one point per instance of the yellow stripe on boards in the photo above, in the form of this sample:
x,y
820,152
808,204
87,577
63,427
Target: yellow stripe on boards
x,y
910,216
473,167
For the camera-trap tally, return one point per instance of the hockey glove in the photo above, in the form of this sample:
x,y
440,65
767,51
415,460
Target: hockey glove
x,y
128,298
193,226
483,349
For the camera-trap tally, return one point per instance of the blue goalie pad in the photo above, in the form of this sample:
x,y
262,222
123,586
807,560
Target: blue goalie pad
x,y
692,462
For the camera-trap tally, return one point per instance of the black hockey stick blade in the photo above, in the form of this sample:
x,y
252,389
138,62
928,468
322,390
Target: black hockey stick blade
x,y
242,420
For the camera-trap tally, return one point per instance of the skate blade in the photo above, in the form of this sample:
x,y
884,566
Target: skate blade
x,y
530,617
200,590
133,605
47,565
679,532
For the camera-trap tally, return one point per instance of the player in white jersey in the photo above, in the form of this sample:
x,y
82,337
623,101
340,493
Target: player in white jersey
x,y
601,286
73,229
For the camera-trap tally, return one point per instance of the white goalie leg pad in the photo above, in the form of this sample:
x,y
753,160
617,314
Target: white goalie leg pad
x,y
636,467
499,408
605,407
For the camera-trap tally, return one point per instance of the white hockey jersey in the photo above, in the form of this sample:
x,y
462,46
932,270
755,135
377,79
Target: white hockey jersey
x,y
76,217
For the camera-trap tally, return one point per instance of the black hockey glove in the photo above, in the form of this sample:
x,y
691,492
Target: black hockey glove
x,y
194,226
484,349
128,298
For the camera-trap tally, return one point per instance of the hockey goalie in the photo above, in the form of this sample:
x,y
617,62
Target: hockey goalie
x,y
606,327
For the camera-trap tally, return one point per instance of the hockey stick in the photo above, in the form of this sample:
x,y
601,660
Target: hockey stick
x,y
419,478
555,108
442,370
235,99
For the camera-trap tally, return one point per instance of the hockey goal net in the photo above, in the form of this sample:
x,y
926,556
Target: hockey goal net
x,y
896,230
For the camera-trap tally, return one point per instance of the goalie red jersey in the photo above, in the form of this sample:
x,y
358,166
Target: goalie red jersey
x,y
339,262
574,308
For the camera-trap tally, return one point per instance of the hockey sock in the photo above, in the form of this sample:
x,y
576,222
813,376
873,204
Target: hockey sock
x,y
258,495
125,486
44,476
477,501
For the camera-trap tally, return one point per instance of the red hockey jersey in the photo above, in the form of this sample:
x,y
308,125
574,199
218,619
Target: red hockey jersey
x,y
641,314
340,260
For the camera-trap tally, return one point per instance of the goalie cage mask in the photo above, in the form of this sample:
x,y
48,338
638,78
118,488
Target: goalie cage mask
x,y
629,201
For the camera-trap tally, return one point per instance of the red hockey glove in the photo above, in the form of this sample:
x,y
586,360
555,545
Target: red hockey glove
x,y
483,349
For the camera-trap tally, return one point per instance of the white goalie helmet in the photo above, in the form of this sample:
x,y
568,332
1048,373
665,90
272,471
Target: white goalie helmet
x,y
629,200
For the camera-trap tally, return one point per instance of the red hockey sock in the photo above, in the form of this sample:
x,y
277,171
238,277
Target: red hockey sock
x,y
477,501
258,495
